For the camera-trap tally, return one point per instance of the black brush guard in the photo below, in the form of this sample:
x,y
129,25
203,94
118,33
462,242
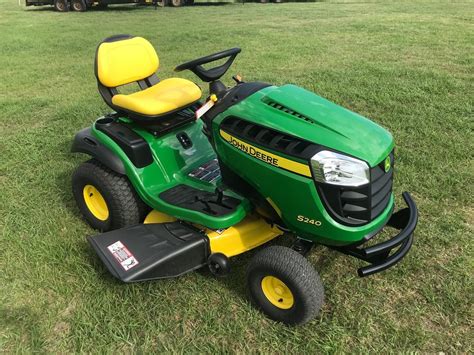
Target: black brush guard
x,y
379,256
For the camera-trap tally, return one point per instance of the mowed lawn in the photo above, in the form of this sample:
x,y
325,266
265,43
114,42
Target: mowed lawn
x,y
406,65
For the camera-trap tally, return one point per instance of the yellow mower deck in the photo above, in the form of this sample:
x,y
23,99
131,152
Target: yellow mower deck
x,y
250,233
163,247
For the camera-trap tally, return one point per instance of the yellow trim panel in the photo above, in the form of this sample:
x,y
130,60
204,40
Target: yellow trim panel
x,y
158,217
250,233
267,157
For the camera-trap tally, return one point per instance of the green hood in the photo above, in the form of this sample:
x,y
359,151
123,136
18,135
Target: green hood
x,y
306,115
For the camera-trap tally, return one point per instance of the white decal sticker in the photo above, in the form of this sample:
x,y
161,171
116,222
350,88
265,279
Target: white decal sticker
x,y
123,255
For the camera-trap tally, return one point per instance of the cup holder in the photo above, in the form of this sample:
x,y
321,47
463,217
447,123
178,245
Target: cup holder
x,y
104,121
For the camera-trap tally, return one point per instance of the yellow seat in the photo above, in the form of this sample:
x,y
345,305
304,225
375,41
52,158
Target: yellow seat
x,y
125,59
166,96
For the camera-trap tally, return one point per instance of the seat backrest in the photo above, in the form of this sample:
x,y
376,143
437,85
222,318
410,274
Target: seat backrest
x,y
124,59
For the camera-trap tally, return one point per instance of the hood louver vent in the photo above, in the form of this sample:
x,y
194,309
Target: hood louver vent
x,y
287,110
269,138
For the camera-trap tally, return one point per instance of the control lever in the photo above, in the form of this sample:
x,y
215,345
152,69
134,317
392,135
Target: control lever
x,y
208,206
237,78
220,197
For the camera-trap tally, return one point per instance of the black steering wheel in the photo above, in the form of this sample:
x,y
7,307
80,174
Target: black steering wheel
x,y
212,74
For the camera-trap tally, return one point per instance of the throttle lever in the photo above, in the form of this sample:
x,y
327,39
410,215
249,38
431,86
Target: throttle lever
x,y
220,195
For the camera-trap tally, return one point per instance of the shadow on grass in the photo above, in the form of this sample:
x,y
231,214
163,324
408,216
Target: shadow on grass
x,y
63,179
236,281
204,4
130,7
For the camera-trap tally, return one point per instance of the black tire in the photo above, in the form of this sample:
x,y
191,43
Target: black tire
x,y
124,206
177,3
78,5
219,264
297,274
61,5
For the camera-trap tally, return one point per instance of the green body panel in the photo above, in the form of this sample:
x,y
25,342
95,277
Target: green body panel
x,y
170,167
295,196
328,124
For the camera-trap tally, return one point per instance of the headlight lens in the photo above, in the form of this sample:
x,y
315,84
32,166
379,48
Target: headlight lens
x,y
338,169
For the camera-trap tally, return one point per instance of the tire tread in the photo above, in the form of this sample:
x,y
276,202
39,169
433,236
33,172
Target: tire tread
x,y
283,261
125,206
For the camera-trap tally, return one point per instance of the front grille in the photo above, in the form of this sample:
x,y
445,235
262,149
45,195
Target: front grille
x,y
359,205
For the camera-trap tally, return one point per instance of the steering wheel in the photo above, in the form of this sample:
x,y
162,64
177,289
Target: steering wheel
x,y
212,74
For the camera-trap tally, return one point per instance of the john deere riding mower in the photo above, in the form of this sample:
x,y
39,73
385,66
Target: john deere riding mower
x,y
176,184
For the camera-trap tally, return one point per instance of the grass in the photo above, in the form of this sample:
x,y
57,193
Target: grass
x,y
406,65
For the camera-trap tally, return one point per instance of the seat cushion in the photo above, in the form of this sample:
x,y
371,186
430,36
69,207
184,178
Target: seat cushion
x,y
166,96
125,61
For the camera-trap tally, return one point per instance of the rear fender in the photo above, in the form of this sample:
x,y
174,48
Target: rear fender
x,y
85,142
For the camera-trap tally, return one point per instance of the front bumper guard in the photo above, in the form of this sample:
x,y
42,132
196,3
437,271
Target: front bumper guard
x,y
379,255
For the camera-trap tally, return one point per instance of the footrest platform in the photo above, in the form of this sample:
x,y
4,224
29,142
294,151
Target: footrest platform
x,y
209,203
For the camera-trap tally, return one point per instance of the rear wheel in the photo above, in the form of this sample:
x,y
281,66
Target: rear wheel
x,y
284,285
78,5
60,5
106,199
177,3
162,3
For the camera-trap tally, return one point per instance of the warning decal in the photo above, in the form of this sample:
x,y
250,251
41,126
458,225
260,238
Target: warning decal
x,y
123,255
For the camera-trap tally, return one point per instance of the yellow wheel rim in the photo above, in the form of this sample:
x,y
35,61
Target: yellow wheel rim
x,y
95,202
277,292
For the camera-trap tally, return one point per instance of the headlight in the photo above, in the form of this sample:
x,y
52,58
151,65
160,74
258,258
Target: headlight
x,y
337,169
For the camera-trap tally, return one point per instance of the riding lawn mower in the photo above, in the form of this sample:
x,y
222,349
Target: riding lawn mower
x,y
175,183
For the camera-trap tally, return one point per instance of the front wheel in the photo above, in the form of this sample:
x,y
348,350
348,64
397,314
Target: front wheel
x,y
284,285
177,3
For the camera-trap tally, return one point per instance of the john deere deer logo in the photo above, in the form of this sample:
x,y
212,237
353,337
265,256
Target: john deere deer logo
x,y
387,164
